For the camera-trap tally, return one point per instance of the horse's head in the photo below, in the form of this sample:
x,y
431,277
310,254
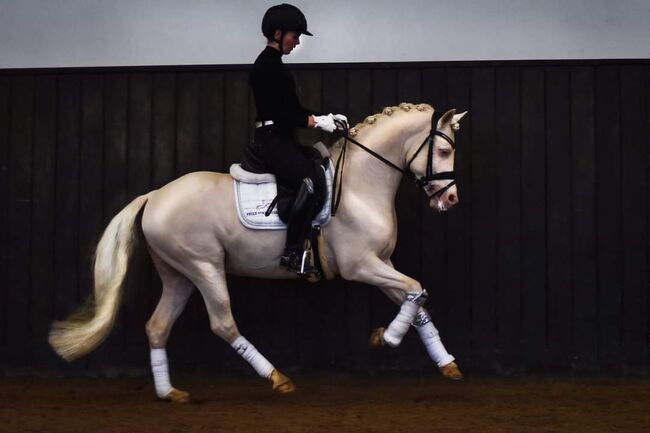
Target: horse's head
x,y
438,180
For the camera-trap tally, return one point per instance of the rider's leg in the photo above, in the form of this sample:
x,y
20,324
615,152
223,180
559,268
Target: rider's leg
x,y
175,294
210,278
299,226
294,168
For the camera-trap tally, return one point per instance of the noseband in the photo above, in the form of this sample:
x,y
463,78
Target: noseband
x,y
420,182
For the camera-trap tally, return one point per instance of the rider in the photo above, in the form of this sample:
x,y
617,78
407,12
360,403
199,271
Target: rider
x,y
279,113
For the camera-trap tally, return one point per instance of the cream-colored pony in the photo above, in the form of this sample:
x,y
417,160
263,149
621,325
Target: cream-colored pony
x,y
194,237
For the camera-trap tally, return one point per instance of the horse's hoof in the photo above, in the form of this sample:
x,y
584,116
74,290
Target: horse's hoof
x,y
178,396
451,371
377,338
282,383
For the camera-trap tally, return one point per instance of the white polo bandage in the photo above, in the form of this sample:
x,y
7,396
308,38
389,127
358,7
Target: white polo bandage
x,y
247,351
401,323
160,370
431,339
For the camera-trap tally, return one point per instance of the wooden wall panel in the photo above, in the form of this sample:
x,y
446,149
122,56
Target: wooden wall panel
x,y
5,119
634,127
583,217
533,208
484,217
608,202
541,267
19,329
508,225
558,217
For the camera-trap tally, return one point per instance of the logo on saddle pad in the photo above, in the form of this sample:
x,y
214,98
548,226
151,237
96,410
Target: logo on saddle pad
x,y
254,193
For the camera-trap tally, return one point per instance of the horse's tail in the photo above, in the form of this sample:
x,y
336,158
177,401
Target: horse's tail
x,y
83,331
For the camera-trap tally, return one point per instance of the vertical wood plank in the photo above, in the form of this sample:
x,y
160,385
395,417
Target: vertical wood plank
x,y
188,124
584,221
384,89
19,332
634,130
164,129
534,264
212,122
608,211
236,116
115,186
5,113
558,175
484,218
508,225
459,239
434,224
43,205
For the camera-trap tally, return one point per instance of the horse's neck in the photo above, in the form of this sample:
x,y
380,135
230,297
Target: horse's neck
x,y
367,178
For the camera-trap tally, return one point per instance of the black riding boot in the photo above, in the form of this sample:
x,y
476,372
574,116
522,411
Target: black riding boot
x,y
298,229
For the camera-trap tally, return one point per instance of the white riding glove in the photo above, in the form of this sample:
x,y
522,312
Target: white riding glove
x,y
326,122
342,118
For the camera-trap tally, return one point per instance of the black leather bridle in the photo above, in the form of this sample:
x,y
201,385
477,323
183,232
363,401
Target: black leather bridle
x,y
421,182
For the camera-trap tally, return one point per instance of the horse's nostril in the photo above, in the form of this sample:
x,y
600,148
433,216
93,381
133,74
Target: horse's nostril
x,y
452,198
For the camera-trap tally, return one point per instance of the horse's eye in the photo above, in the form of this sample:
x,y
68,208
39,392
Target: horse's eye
x,y
444,153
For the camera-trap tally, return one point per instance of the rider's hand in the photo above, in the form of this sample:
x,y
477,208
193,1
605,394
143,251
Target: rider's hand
x,y
325,122
340,118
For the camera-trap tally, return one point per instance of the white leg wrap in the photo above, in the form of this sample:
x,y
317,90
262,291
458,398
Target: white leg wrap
x,y
431,339
400,324
247,351
160,370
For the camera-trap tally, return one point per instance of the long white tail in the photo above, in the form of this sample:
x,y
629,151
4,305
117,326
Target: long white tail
x,y
83,331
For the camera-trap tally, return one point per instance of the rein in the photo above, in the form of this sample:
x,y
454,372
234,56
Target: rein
x,y
420,182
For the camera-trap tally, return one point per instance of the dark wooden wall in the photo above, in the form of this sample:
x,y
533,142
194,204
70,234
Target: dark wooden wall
x,y
542,267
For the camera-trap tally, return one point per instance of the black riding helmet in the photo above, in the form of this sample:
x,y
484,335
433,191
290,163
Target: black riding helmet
x,y
286,18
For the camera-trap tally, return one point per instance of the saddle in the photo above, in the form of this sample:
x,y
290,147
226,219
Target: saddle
x,y
264,204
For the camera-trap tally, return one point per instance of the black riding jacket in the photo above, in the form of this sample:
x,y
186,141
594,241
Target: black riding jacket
x,y
274,89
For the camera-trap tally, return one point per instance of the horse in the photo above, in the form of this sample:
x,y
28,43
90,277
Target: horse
x,y
194,245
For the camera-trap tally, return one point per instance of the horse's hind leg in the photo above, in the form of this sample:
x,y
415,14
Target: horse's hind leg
x,y
175,294
210,279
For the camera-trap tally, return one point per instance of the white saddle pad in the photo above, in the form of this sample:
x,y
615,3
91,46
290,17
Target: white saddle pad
x,y
253,199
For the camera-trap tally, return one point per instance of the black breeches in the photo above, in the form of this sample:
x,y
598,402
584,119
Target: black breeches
x,y
291,163
288,160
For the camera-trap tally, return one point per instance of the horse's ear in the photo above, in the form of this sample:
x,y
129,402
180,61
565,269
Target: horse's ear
x,y
457,117
451,118
446,118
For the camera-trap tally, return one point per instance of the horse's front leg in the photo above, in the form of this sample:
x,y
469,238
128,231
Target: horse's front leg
x,y
428,334
376,272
